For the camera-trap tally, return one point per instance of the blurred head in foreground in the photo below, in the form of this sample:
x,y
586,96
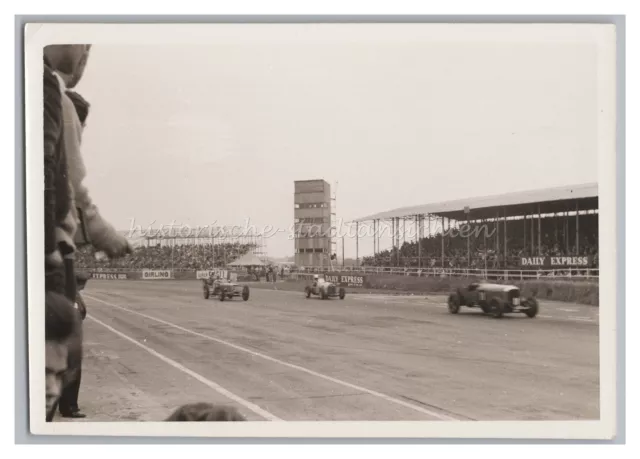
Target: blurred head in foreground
x,y
69,61
198,412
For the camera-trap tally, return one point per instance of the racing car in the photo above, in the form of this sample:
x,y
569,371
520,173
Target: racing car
x,y
494,299
223,289
324,289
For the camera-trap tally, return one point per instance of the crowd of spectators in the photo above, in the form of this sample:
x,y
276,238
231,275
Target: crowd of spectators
x,y
166,256
478,251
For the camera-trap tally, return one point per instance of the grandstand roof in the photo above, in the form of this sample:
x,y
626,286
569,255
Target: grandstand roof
x,y
550,200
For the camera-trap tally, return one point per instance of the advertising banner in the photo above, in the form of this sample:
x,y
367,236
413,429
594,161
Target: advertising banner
x,y
205,274
556,262
148,274
346,280
109,276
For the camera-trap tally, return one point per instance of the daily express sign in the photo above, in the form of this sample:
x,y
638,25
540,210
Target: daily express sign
x,y
346,280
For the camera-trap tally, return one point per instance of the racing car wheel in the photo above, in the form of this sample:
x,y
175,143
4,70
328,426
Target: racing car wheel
x,y
496,308
454,303
533,309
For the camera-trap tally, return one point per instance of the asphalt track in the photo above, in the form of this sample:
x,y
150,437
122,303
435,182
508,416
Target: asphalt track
x,y
151,346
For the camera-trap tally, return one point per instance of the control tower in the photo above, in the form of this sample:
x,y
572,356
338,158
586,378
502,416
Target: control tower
x,y
314,226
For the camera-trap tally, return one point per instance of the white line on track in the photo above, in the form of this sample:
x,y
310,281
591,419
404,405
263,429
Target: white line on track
x,y
387,300
218,388
582,319
384,300
388,398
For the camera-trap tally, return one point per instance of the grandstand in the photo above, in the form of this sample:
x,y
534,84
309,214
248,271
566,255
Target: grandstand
x,y
179,252
537,229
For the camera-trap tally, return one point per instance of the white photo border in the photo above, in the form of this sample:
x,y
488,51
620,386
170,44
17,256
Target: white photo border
x,y
601,35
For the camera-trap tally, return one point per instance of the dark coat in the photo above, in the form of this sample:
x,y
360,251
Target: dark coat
x,y
57,194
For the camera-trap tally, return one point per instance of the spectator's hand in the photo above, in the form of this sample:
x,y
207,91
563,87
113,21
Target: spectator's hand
x,y
117,246
106,239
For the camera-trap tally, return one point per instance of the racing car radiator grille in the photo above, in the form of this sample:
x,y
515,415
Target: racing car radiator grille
x,y
332,289
514,294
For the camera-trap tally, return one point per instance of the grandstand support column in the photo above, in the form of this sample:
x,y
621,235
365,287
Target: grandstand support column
x,y
423,232
539,232
418,238
393,241
504,248
524,219
393,238
224,255
566,231
532,235
375,225
468,240
498,235
213,252
376,239
396,230
429,229
442,240
397,241
377,236
577,229
357,243
484,235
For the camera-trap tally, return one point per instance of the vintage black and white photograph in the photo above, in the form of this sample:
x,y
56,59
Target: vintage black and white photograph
x,y
277,223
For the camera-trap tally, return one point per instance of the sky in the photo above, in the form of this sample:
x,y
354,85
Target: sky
x,y
218,133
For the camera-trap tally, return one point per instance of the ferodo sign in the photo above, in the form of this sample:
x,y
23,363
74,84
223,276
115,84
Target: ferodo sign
x,y
155,274
555,261
206,274
110,276
346,280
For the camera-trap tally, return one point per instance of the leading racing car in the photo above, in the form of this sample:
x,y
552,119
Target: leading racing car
x,y
223,289
494,299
